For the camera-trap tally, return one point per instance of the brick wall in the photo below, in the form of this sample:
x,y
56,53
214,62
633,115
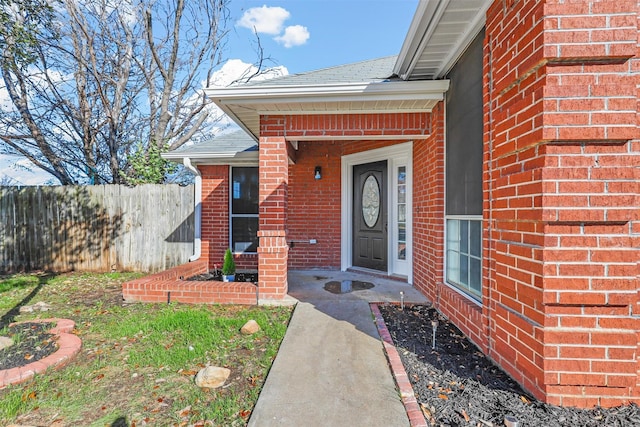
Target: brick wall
x,y
562,207
514,80
346,125
215,218
428,234
428,208
314,206
273,251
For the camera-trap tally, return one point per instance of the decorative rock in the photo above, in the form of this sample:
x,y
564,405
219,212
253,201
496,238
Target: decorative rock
x,y
5,342
42,306
212,377
39,306
250,328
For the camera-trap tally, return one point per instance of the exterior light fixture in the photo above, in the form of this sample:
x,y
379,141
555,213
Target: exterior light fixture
x,y
317,173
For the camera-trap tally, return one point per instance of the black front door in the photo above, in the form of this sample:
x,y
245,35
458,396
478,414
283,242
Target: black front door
x,y
370,216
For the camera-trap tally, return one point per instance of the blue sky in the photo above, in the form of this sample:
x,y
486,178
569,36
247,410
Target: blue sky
x,y
339,31
299,35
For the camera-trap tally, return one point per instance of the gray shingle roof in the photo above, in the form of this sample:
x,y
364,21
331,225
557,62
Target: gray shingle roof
x,y
227,143
373,70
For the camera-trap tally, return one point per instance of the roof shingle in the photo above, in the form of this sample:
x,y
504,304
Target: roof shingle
x,y
373,70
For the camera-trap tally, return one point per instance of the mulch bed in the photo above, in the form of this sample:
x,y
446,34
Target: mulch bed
x,y
217,276
456,385
32,342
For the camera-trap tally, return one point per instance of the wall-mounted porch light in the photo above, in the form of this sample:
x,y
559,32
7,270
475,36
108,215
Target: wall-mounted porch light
x,y
317,173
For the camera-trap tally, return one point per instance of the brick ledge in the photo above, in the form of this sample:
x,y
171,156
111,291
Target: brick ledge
x,y
68,347
416,418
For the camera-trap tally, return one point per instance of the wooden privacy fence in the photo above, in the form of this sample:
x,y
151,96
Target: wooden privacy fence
x,y
146,228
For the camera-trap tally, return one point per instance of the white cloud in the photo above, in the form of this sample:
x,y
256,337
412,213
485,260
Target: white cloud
x,y
16,170
267,20
294,35
270,20
233,70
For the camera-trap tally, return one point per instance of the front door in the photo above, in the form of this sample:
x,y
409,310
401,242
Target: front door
x,y
370,215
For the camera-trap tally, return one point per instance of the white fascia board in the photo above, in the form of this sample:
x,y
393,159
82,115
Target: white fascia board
x,y
422,26
425,21
392,91
250,157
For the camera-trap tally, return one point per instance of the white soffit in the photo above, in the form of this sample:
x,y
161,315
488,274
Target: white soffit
x,y
245,104
440,32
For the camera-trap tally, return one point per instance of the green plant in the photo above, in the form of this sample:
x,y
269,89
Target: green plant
x,y
147,165
228,264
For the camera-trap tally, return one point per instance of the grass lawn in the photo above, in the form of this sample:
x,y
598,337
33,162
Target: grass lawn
x,y
138,361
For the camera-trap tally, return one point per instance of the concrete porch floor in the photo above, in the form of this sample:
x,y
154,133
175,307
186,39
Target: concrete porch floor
x,y
331,369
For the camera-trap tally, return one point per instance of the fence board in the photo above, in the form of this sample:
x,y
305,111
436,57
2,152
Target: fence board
x,y
146,228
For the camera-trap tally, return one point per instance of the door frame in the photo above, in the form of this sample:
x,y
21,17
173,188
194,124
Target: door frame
x,y
395,155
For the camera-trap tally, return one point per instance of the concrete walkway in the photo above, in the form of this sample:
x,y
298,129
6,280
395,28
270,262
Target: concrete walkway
x,y
331,369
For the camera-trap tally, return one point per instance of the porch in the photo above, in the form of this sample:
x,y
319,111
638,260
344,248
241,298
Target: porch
x,y
330,286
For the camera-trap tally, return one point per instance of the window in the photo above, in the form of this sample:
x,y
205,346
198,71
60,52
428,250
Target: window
x,y
244,209
401,214
464,249
464,155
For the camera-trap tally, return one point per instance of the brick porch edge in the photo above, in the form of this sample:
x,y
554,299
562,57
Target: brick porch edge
x,y
416,418
68,347
170,285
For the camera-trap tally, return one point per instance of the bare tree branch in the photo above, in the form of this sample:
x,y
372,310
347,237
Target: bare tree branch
x,y
118,78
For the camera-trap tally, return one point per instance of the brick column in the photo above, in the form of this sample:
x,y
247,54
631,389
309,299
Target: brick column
x,y
273,252
563,170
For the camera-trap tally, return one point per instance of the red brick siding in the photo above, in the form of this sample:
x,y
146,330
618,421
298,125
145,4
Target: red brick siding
x,y
590,30
428,208
215,219
314,206
561,184
352,147
561,270
215,212
273,199
346,125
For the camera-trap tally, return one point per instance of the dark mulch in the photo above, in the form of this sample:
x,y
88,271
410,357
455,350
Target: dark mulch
x,y
32,342
456,385
217,276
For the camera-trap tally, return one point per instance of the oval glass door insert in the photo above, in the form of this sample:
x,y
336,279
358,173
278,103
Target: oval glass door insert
x,y
371,201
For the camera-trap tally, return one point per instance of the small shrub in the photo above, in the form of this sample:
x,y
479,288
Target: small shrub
x,y
228,265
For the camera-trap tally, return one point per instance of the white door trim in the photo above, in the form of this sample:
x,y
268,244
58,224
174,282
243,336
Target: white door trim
x,y
396,155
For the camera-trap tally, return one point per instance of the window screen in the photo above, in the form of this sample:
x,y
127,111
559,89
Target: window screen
x,y
464,133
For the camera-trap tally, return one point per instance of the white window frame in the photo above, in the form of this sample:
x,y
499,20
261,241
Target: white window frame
x,y
465,289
